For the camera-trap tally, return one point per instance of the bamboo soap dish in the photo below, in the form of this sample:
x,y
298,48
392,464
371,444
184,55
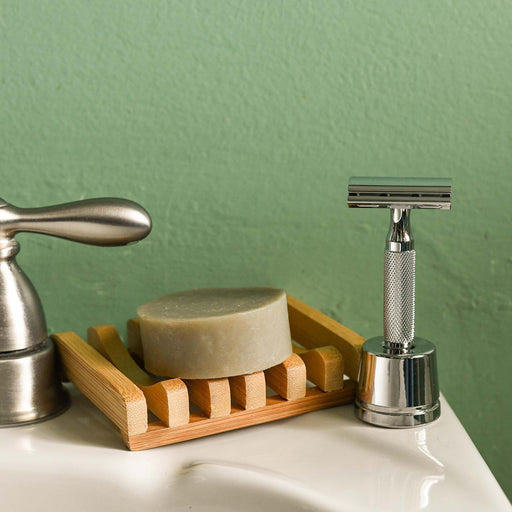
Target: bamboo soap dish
x,y
107,373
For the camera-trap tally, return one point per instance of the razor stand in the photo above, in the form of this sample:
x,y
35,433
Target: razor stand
x,y
398,385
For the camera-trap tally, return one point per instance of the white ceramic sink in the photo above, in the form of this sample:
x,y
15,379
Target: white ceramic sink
x,y
322,461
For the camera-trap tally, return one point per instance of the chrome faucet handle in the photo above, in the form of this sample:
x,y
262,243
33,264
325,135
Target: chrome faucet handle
x,y
29,387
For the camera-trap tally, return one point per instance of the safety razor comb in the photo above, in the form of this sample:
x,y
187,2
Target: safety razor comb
x,y
398,385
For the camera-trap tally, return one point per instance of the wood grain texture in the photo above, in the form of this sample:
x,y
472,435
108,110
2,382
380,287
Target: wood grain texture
x,y
313,329
212,396
324,366
276,408
249,391
98,379
105,339
168,399
288,379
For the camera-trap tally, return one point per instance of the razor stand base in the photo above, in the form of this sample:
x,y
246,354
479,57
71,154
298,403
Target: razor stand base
x,y
402,418
398,388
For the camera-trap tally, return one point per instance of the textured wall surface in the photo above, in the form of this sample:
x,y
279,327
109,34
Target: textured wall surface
x,y
237,125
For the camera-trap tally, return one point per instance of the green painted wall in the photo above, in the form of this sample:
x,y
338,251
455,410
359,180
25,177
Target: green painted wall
x,y
237,125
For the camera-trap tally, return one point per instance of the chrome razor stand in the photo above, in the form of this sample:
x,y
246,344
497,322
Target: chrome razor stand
x,y
398,385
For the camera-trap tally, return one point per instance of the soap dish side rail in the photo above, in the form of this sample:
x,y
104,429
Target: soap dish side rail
x,y
105,371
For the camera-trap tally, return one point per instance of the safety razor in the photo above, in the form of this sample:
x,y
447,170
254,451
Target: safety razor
x,y
398,385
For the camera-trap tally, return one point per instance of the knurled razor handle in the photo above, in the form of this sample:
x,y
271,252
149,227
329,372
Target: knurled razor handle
x,y
399,284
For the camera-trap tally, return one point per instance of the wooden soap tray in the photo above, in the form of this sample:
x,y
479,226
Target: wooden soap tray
x,y
108,374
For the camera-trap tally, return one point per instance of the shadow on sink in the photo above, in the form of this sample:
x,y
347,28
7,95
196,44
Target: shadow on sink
x,y
86,425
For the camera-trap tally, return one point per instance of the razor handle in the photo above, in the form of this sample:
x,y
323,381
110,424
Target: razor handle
x,y
399,284
399,281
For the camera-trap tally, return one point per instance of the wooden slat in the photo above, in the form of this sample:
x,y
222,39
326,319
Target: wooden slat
x,y
313,329
105,339
112,392
249,391
134,341
276,408
167,399
288,379
212,396
324,366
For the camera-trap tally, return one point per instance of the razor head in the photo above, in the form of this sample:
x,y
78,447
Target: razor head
x,y
404,193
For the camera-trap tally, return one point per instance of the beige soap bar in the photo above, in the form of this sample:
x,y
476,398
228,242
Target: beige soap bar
x,y
215,332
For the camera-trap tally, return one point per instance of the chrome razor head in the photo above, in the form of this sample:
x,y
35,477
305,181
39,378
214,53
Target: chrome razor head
x,y
402,193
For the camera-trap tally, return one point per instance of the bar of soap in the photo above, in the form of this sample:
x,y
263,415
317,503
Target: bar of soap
x,y
215,332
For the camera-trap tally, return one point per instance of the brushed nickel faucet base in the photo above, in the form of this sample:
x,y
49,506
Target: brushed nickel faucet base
x,y
398,388
34,392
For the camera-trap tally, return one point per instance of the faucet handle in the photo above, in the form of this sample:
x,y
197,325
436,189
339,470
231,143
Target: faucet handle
x,y
30,389
104,221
